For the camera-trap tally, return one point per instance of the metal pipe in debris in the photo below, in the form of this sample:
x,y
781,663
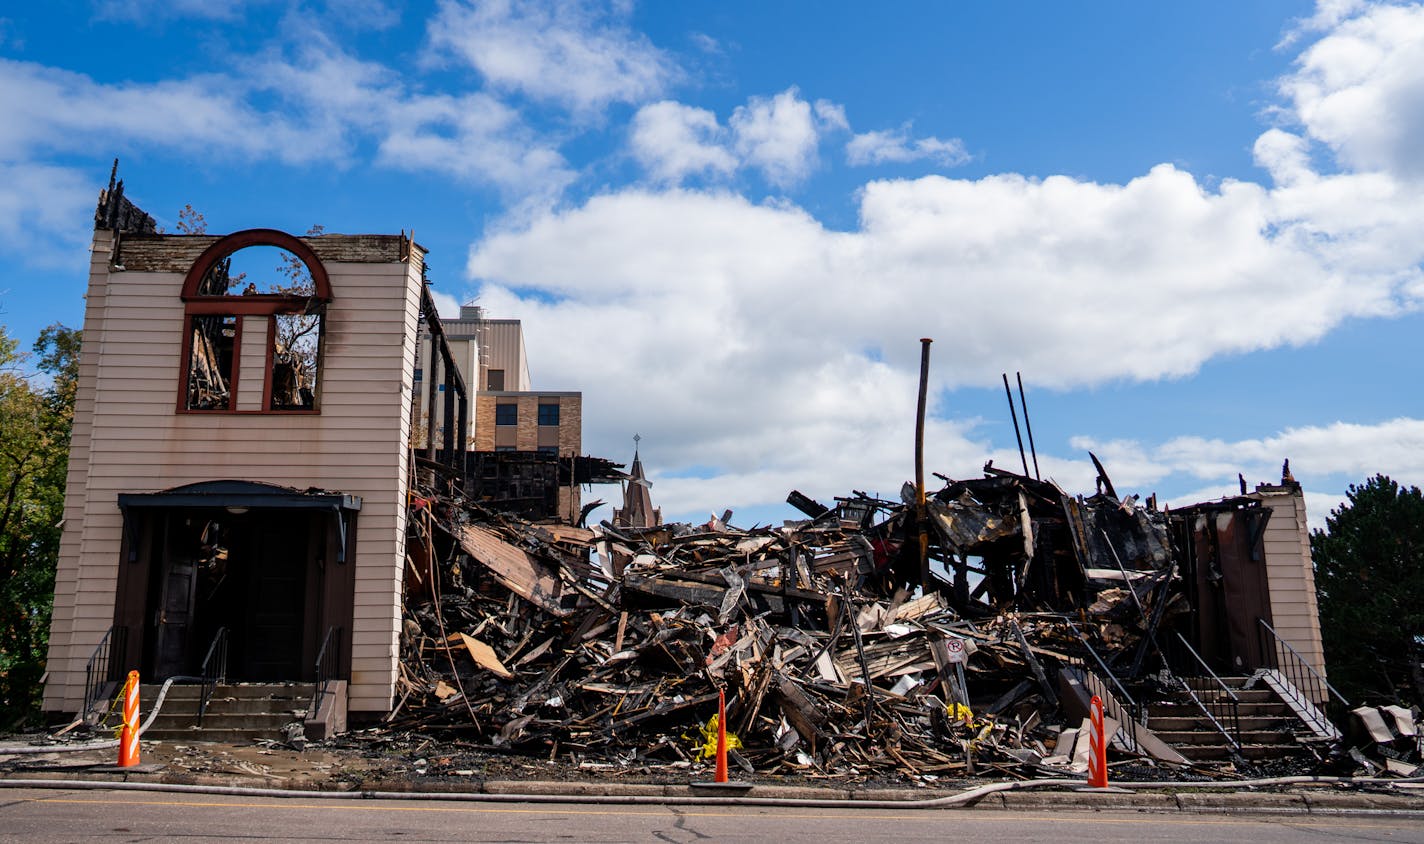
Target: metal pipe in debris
x,y
921,510
1028,426
1008,394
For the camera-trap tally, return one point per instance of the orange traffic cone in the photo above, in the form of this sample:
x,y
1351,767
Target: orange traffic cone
x,y
128,741
721,736
1097,747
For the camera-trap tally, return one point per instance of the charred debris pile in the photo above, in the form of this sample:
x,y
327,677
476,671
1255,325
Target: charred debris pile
x,y
846,645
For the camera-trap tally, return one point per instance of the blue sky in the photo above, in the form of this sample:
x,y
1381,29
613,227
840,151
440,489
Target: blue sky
x,y
1194,227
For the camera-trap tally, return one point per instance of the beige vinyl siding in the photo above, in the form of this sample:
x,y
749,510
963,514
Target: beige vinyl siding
x,y
62,651
129,437
1291,574
252,367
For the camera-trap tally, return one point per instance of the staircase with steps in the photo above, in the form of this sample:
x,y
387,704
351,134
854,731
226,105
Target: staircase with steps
x,y
237,712
1268,729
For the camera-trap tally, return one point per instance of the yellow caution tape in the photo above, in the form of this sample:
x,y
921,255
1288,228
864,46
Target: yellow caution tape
x,y
960,712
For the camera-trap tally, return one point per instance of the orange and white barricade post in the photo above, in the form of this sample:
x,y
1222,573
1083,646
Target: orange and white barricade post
x,y
128,740
721,775
1097,746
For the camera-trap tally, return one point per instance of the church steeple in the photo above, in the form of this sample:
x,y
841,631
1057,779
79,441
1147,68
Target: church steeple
x,y
638,510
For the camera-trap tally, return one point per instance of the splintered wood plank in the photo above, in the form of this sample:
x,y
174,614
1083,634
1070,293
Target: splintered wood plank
x,y
520,573
483,655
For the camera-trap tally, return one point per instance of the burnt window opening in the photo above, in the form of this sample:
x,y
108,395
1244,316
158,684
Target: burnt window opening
x,y
242,278
549,414
212,356
258,270
296,361
494,380
506,414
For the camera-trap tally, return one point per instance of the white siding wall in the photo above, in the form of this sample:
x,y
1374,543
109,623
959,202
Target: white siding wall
x,y
1291,574
129,438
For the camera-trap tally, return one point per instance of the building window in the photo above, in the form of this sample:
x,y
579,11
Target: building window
x,y
212,362
549,414
253,274
504,448
494,380
506,414
548,449
296,361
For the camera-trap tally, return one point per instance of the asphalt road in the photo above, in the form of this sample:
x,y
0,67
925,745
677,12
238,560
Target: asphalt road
x,y
115,817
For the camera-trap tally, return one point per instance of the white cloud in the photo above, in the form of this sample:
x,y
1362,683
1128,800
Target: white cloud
x,y
53,109
831,116
672,141
801,339
566,52
897,147
44,212
1321,457
447,306
1328,15
777,135
706,43
1360,90
1349,449
476,138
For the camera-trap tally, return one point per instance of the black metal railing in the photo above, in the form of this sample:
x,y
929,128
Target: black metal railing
x,y
1280,655
328,662
1214,698
104,666
214,671
1117,703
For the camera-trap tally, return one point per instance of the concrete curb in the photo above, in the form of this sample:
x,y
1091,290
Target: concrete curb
x,y
1302,802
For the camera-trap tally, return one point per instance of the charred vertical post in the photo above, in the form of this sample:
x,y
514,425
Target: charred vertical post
x,y
921,510
1008,394
1028,426
432,377
447,439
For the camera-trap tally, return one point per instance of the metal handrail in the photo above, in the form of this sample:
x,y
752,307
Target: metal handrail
x,y
1124,700
1232,704
100,667
328,659
1294,671
214,670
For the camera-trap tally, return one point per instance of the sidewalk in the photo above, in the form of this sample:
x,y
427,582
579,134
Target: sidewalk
x,y
316,772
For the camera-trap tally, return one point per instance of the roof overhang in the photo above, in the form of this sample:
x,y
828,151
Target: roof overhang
x,y
244,494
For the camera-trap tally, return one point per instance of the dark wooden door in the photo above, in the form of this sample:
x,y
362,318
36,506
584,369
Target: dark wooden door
x,y
175,618
274,627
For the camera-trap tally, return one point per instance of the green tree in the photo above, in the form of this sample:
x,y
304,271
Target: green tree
x,y
1369,578
35,422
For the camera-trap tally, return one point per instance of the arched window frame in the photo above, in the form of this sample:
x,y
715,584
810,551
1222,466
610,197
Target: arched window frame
x,y
237,305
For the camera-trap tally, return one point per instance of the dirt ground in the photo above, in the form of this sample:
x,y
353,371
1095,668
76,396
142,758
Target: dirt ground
x,y
381,760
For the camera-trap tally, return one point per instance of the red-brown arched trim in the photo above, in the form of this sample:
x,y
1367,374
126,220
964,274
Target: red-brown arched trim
x,y
255,237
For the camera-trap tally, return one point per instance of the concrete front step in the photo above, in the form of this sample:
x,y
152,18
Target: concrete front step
x,y
1245,710
239,712
1188,738
246,721
189,707
224,736
1249,752
1243,696
1197,721
238,691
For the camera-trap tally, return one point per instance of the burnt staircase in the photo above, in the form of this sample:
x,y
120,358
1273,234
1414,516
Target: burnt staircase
x,y
1263,726
236,713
